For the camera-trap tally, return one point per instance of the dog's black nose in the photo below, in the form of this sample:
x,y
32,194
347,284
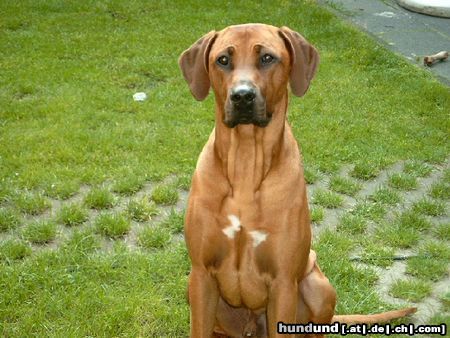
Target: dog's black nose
x,y
243,94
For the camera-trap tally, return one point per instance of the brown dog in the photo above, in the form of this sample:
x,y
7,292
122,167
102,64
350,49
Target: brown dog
x,y
247,225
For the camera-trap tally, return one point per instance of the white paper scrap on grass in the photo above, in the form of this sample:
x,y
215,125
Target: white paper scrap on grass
x,y
140,96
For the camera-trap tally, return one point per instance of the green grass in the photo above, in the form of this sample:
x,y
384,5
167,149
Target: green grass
x,y
154,237
442,231
413,291
165,195
353,285
312,175
174,222
113,225
40,232
427,268
69,125
440,190
317,214
61,190
386,196
82,241
9,219
436,249
446,176
327,199
417,169
99,198
184,182
432,261
117,125
397,234
353,224
369,210
412,219
142,210
445,300
376,254
404,231
72,214
402,181
128,185
428,207
32,203
125,293
439,319
365,170
6,192
14,249
344,185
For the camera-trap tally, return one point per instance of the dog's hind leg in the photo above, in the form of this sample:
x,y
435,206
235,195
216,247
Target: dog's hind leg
x,y
318,297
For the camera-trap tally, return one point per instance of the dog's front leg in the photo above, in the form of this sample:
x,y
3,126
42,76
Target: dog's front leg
x,y
282,306
203,299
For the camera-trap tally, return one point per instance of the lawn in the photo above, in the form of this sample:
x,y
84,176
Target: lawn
x,y
93,185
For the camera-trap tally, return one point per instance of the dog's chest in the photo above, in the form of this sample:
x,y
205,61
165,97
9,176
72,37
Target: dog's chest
x,y
242,272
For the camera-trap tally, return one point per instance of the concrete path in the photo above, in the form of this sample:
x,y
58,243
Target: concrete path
x,y
410,34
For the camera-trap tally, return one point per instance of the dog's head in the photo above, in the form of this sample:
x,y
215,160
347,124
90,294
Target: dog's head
x,y
249,67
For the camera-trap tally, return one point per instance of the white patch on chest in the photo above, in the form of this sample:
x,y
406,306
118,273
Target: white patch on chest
x,y
235,226
258,237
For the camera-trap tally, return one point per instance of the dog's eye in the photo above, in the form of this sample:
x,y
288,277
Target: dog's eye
x,y
267,59
223,60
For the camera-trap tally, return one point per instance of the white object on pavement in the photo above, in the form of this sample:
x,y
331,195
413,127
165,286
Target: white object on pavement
x,y
430,7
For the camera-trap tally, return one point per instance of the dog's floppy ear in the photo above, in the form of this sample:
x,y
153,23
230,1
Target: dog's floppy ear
x,y
304,60
194,65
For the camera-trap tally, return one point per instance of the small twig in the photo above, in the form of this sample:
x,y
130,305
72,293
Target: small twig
x,y
393,258
430,59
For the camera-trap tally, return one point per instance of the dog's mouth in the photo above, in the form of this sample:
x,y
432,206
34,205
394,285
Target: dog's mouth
x,y
261,122
254,113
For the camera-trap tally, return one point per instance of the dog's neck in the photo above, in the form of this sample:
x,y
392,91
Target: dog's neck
x,y
248,152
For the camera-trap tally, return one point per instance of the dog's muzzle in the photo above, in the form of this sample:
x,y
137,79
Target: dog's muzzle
x,y
245,105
